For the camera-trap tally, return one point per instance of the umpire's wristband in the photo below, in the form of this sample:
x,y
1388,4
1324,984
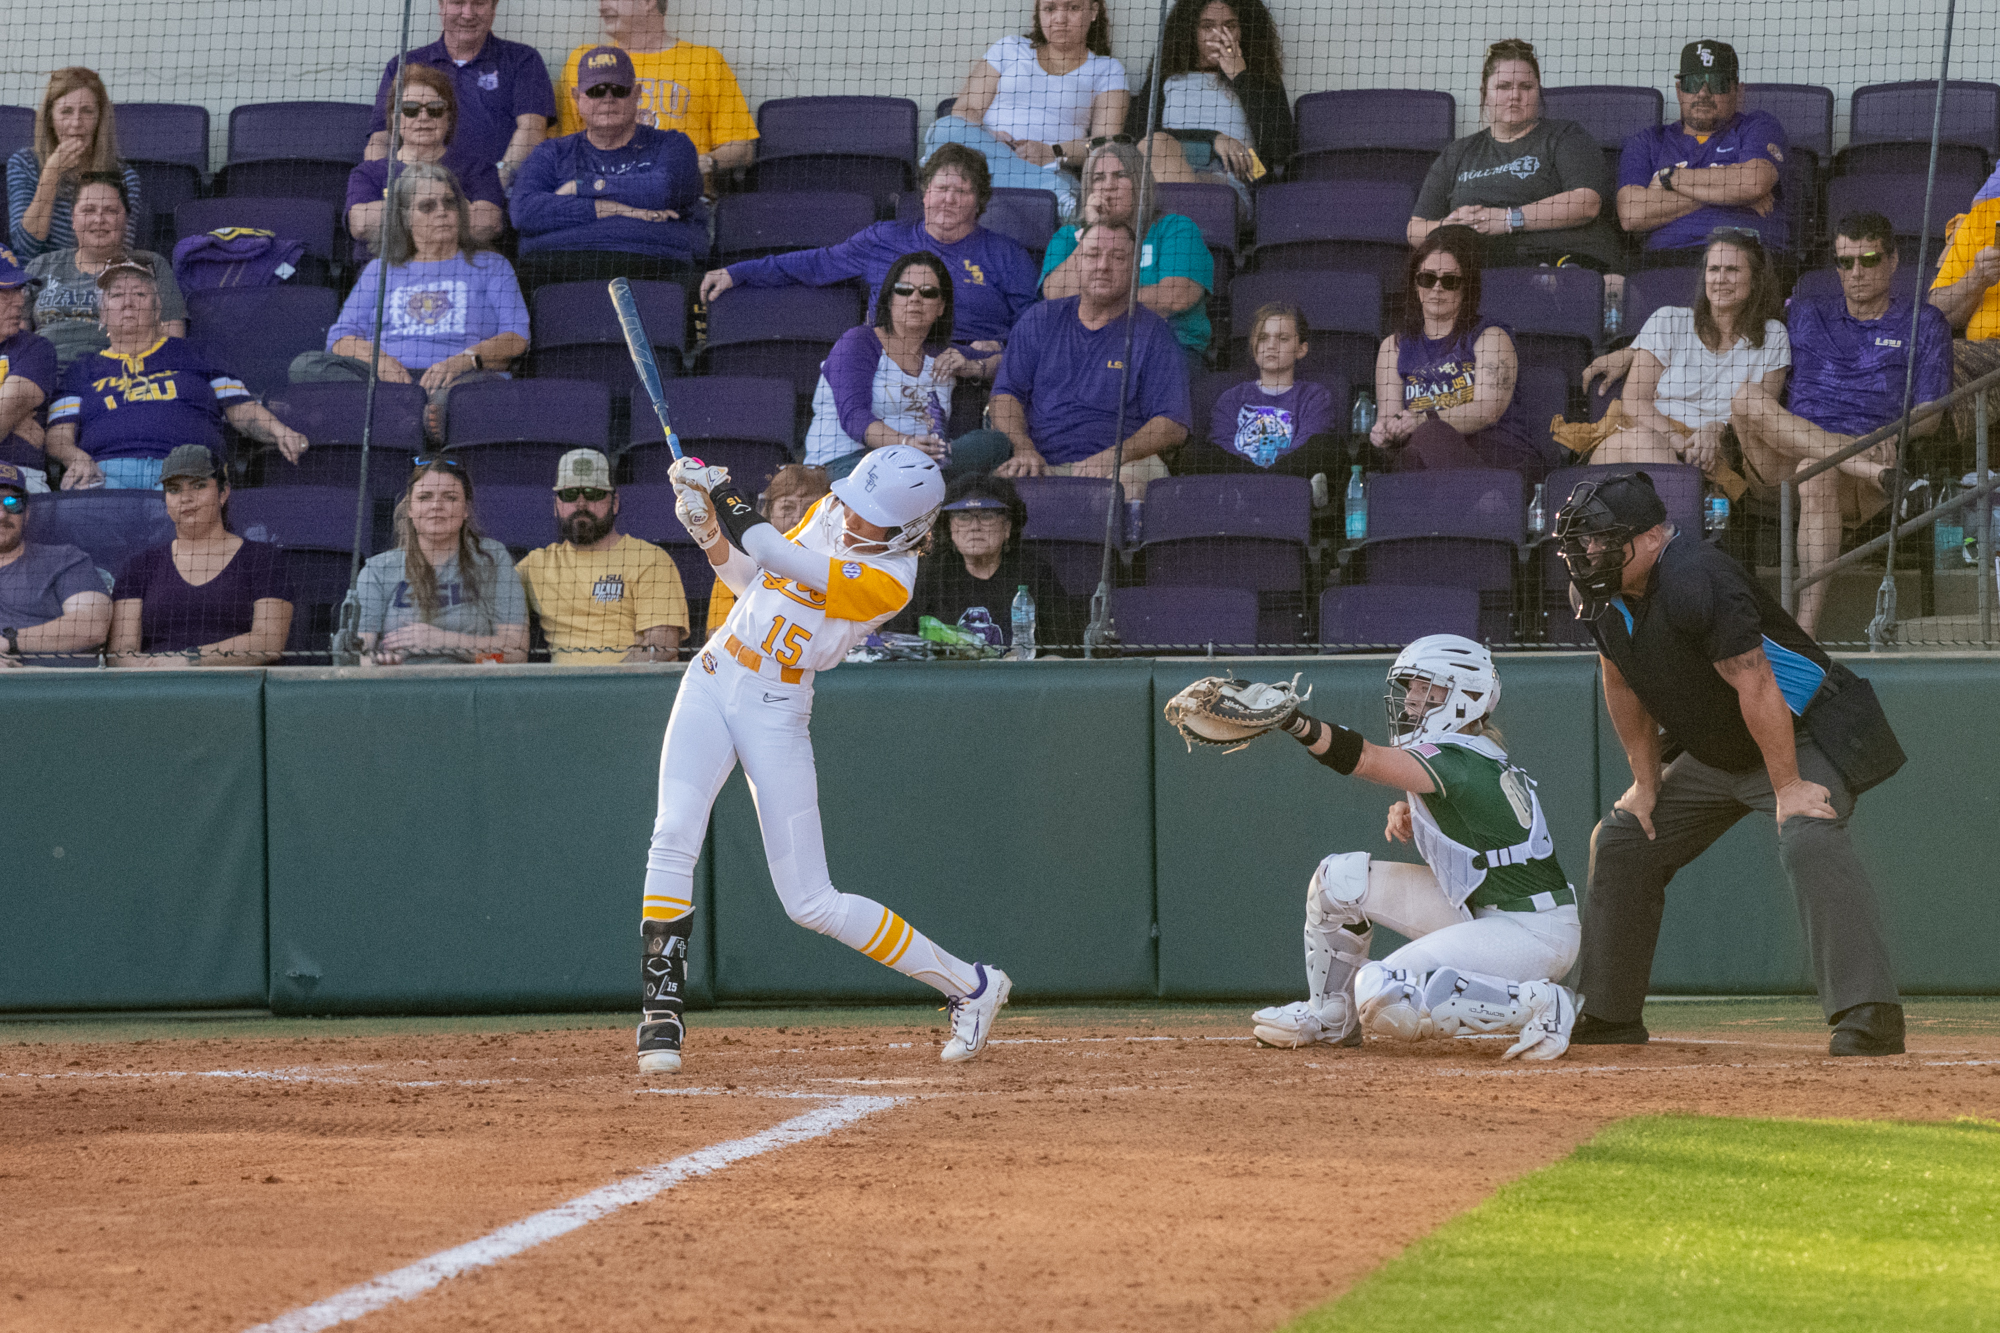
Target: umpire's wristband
x,y
1342,755
736,514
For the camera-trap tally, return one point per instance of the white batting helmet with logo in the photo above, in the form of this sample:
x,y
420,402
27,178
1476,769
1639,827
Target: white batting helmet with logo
x,y
899,488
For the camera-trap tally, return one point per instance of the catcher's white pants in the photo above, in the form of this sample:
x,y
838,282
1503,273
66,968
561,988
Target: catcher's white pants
x,y
725,712
1513,946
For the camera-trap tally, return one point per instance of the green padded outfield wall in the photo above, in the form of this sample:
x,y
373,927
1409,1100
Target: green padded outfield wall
x,y
462,841
134,868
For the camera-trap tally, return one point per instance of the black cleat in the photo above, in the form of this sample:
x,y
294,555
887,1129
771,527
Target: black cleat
x,y
1868,1029
1590,1030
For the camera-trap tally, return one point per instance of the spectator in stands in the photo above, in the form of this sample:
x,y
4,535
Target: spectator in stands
x,y
1717,166
1848,367
27,379
428,126
617,199
891,382
444,593
208,597
1226,115
1533,189
992,278
794,489
1176,271
453,313
1057,399
682,86
1967,290
1033,105
1446,379
602,595
53,607
66,304
1686,363
500,90
1275,422
986,566
123,410
75,132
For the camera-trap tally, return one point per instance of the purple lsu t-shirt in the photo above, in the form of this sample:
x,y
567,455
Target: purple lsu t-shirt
x,y
1847,373
178,615
1439,373
1066,377
504,81
1264,427
31,357
1750,136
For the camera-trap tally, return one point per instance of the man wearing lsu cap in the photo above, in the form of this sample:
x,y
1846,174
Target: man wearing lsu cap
x,y
1715,167
27,377
53,607
602,596
1705,674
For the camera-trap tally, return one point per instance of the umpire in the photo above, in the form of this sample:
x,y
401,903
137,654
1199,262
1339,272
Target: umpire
x,y
1705,673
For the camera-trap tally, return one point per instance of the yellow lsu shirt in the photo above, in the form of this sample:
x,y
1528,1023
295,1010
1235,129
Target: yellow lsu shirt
x,y
593,604
1973,233
686,87
804,627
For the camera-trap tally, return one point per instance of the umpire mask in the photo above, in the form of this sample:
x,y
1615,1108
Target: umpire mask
x,y
1595,530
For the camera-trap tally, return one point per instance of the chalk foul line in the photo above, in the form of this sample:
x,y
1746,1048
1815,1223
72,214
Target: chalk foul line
x,y
416,1279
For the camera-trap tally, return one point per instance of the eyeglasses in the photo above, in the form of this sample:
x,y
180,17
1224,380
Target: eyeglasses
x,y
979,518
1720,84
13,504
1846,263
569,495
1103,139
433,204
423,461
1427,279
434,110
602,90
927,291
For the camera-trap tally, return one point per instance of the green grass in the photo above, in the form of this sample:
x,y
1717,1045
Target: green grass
x,y
1684,1223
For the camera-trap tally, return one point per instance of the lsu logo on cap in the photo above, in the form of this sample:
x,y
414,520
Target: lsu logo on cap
x,y
604,60
850,570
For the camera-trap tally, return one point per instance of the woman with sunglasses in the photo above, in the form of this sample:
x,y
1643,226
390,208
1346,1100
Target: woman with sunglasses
x,y
1226,113
887,383
427,119
1032,104
445,593
1534,189
453,313
1446,379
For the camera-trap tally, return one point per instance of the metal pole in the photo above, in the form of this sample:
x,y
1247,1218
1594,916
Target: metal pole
x,y
1788,596
1986,571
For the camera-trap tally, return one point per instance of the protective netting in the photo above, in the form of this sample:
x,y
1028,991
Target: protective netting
x,y
792,191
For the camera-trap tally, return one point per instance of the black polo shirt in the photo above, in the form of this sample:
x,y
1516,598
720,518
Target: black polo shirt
x,y
1700,607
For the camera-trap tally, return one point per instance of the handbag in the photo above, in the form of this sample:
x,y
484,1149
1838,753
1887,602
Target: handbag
x,y
1846,721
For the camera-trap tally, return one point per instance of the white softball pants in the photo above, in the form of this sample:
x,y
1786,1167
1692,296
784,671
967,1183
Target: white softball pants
x,y
1514,946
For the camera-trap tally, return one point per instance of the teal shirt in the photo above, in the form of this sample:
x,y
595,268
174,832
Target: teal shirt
x,y
1173,249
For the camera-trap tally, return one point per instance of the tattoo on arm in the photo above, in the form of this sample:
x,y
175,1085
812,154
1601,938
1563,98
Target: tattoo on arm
x,y
1744,667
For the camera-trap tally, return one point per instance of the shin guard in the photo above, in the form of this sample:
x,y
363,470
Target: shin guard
x,y
663,978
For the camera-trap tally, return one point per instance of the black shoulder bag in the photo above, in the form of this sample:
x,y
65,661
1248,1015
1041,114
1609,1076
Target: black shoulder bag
x,y
1846,721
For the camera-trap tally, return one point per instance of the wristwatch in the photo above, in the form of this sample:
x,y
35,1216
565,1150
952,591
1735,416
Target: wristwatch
x,y
1516,220
478,362
193,655
1667,178
12,637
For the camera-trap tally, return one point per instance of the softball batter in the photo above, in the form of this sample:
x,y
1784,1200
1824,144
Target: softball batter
x,y
803,599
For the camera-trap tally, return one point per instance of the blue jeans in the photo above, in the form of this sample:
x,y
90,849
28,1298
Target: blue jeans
x,y
1010,172
131,474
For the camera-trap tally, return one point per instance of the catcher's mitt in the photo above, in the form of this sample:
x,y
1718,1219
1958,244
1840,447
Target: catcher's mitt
x,y
1221,710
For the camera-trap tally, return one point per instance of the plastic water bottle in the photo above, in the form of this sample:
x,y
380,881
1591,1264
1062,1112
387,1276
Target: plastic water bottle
x,y
1949,534
1024,625
1363,419
1357,504
1538,513
1715,513
1981,515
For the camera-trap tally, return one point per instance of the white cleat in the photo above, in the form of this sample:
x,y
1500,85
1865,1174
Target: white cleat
x,y
1552,1011
1290,1026
972,1015
660,1062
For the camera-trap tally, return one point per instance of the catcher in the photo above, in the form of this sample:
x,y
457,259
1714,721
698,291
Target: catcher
x,y
1489,915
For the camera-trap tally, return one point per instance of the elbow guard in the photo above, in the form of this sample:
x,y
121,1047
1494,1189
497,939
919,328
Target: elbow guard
x,y
736,514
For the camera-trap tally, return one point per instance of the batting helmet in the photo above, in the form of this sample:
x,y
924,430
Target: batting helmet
x,y
899,488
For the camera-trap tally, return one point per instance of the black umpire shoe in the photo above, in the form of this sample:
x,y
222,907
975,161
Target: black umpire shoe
x,y
1866,1029
1590,1030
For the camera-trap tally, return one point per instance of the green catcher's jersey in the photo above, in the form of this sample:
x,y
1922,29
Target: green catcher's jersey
x,y
1483,804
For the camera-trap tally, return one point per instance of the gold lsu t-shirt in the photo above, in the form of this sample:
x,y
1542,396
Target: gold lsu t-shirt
x,y
1970,234
593,604
686,87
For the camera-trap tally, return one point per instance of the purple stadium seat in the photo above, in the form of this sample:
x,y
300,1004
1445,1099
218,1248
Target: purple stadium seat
x,y
745,424
1889,128
309,221
167,144
519,514
17,129
1648,289
254,332
864,144
512,432
1543,393
331,416
1185,618
646,511
1204,387
1343,320
1210,207
109,526
780,331
1390,134
1026,216
1804,109
1335,225
1899,196
1066,522
1556,314
577,335
748,226
1388,617
1238,530
1458,528
1612,113
697,581
317,518
294,149
1681,488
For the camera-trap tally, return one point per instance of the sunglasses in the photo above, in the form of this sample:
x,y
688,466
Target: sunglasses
x,y
1103,139
927,291
602,90
423,461
434,110
1449,281
1720,84
435,205
1846,263
1744,235
13,504
569,495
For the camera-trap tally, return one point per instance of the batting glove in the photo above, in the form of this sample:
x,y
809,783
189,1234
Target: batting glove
x,y
693,473
698,517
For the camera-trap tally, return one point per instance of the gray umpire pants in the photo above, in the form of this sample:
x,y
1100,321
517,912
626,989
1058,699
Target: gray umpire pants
x,y
1697,805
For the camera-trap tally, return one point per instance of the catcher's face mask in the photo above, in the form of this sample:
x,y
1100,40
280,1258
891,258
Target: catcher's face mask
x,y
1595,545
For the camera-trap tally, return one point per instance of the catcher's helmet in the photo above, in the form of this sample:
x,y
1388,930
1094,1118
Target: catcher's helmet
x,y
1460,667
899,488
1594,529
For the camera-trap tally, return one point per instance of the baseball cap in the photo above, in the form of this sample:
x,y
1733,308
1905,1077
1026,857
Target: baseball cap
x,y
1707,57
14,477
11,272
1632,500
605,64
976,502
583,467
189,460
126,268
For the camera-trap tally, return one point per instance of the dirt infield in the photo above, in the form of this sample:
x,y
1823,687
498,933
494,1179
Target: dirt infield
x,y
1144,1169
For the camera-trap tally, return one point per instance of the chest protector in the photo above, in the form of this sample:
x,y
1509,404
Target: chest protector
x,y
1460,869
